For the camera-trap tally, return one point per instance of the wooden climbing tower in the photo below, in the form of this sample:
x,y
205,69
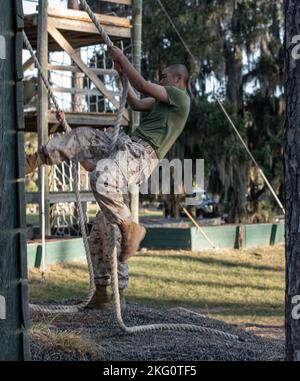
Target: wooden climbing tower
x,y
69,30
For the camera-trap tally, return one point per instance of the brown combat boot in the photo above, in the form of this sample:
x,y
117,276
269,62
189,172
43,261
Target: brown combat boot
x,y
100,299
33,161
132,235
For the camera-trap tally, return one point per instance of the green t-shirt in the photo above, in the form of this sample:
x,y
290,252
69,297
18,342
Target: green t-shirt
x,y
165,122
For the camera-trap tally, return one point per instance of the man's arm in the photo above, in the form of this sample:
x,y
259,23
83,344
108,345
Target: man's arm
x,y
134,102
137,104
138,82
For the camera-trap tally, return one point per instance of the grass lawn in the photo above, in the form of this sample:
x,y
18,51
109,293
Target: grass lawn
x,y
245,286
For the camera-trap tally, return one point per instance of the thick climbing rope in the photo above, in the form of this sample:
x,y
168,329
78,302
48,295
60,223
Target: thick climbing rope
x,y
109,43
114,260
154,327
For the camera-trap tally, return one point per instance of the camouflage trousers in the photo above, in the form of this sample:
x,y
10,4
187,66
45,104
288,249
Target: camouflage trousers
x,y
128,163
101,249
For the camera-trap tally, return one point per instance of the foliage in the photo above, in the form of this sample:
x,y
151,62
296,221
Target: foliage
x,y
238,43
237,50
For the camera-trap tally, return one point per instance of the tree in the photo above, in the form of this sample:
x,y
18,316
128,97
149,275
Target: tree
x,y
238,44
292,176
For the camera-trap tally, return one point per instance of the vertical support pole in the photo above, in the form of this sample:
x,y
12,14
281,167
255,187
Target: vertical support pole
x,y
239,237
137,6
273,234
42,113
14,312
77,83
77,80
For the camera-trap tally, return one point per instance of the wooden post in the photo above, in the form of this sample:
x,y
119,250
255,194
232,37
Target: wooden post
x,y
137,6
14,314
77,80
77,83
42,110
292,178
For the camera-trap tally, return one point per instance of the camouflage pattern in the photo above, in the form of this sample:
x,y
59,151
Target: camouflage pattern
x,y
101,250
128,163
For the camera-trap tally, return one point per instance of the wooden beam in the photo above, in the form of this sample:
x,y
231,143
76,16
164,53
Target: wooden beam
x,y
27,65
56,197
75,15
88,119
73,90
75,69
85,33
137,49
88,28
59,38
125,2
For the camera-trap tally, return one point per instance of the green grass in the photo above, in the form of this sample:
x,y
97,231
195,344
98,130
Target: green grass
x,y
66,341
244,286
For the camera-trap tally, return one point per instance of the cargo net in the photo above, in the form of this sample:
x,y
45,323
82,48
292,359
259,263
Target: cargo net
x,y
74,90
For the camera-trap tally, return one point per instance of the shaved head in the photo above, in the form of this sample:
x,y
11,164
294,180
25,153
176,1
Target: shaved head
x,y
180,70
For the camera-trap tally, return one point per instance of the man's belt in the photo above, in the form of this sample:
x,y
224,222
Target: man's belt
x,y
140,141
147,145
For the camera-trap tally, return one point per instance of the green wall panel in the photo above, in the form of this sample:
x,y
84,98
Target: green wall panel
x,y
166,238
221,237
258,234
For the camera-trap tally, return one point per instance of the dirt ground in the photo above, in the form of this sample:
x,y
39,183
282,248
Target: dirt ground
x,y
108,343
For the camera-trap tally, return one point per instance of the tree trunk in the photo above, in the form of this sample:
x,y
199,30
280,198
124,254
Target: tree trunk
x,y
233,56
292,178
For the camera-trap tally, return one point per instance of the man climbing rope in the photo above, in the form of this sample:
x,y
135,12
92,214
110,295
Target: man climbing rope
x,y
167,106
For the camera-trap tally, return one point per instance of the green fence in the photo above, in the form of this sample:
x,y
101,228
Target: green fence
x,y
228,236
160,238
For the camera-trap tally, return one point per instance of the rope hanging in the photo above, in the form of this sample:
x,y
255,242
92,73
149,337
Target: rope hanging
x,y
67,128
114,261
109,43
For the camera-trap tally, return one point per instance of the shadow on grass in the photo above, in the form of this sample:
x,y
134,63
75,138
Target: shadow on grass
x,y
59,291
222,308
171,280
215,261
